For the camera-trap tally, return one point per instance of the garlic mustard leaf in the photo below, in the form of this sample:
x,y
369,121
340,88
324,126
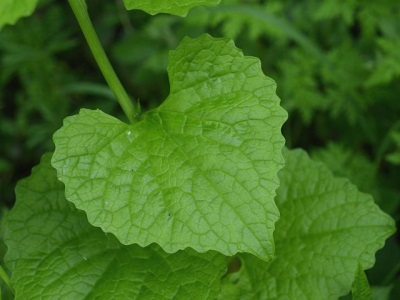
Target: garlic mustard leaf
x,y
175,7
12,10
54,253
326,231
199,171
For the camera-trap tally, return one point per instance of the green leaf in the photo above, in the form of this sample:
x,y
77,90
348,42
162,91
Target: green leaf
x,y
326,230
12,10
54,253
175,7
199,171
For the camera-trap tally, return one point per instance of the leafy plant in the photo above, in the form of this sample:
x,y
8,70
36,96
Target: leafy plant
x,y
192,199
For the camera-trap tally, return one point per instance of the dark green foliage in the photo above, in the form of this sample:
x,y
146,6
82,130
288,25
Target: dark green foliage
x,y
337,67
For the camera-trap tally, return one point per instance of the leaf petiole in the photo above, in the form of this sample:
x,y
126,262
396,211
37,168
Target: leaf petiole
x,y
81,13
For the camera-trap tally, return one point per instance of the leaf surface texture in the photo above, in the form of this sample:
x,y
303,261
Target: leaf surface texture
x,y
54,253
327,231
199,171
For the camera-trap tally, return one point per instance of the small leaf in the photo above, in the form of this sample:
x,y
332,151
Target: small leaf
x,y
175,7
199,171
54,253
326,230
12,10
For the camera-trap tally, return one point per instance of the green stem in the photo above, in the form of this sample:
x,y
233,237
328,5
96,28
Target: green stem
x,y
6,279
81,13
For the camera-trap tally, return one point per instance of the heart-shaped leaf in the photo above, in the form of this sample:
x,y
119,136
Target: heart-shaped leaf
x,y
199,171
175,7
327,234
54,253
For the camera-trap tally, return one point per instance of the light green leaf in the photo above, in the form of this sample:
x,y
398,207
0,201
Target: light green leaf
x,y
199,171
175,7
326,230
54,253
12,10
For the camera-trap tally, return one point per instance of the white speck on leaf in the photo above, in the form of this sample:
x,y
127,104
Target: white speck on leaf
x,y
129,135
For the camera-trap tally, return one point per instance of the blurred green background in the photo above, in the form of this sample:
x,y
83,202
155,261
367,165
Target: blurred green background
x,y
336,64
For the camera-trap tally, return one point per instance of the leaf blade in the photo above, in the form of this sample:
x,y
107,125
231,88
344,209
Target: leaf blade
x,y
200,171
326,231
53,253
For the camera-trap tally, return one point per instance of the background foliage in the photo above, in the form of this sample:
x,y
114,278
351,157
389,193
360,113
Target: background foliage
x,y
336,66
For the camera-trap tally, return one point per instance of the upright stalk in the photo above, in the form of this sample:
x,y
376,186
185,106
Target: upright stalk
x,y
81,13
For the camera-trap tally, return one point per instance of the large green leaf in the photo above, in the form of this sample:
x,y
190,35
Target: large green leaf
x,y
175,7
54,253
12,10
199,171
326,231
